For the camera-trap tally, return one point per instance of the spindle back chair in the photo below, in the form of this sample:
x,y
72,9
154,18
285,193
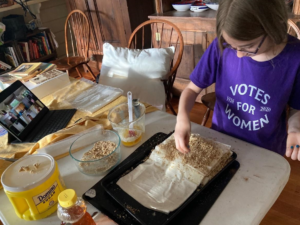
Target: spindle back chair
x,y
77,40
160,34
293,29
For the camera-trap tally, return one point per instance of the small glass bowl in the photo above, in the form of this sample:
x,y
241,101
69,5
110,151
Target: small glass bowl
x,y
86,142
130,132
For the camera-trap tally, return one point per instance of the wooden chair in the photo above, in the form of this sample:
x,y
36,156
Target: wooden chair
x,y
293,29
77,40
209,99
160,34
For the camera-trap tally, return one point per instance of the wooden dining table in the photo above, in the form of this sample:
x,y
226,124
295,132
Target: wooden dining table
x,y
246,199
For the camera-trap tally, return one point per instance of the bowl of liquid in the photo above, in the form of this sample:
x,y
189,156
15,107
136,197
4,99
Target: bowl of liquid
x,y
130,132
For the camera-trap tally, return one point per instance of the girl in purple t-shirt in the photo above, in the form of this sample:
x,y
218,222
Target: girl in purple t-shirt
x,y
255,66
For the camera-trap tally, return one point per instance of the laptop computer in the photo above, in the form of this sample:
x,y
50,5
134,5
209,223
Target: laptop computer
x,y
26,118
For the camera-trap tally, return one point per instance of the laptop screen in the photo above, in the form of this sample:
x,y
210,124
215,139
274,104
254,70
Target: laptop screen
x,y
19,109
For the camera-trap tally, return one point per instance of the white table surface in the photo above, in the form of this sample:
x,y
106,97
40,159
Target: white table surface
x,y
246,199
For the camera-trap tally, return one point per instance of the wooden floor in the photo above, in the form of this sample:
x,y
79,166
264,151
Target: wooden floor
x,y
286,210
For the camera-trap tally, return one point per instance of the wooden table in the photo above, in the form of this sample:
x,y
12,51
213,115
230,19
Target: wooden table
x,y
246,199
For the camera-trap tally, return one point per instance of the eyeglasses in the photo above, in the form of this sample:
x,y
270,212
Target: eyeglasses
x,y
252,53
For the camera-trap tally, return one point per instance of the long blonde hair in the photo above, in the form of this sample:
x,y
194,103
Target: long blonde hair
x,y
246,20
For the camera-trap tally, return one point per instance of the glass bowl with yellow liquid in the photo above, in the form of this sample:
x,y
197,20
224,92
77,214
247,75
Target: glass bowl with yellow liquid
x,y
130,132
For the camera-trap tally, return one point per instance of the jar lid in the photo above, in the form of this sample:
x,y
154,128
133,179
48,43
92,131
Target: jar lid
x,y
28,172
67,198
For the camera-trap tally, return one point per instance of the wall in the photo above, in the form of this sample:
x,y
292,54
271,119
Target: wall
x,y
53,14
18,11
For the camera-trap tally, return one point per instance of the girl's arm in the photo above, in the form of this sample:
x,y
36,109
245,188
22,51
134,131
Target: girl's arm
x,y
183,125
293,140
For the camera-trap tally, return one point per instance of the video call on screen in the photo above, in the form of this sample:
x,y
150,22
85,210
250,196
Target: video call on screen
x,y
19,109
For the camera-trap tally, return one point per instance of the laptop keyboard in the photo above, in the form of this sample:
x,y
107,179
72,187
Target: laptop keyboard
x,y
54,120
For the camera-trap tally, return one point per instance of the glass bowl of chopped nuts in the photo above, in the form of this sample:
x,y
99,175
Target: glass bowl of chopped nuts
x,y
96,152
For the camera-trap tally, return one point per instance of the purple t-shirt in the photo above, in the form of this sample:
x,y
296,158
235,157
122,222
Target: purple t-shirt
x,y
252,96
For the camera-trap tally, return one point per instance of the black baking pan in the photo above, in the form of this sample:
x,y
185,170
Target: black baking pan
x,y
142,214
192,214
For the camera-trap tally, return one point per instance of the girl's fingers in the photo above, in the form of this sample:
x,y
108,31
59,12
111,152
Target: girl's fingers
x,y
181,142
289,151
186,143
177,145
180,145
183,146
295,153
298,152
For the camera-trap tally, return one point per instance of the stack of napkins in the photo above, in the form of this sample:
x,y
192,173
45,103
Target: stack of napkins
x,y
168,177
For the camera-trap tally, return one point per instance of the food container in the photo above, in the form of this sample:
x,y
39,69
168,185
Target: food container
x,y
183,5
214,6
32,185
130,132
86,142
198,7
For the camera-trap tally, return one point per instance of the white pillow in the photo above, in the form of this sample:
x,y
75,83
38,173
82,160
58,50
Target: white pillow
x,y
152,63
138,71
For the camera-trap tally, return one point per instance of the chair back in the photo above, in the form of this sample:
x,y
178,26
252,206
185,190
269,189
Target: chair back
x,y
160,34
77,34
293,29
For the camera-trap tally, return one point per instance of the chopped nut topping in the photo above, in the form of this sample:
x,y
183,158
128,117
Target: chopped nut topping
x,y
27,168
36,165
99,150
202,153
131,209
24,168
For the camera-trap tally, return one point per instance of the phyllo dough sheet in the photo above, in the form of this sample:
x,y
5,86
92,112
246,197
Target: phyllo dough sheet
x,y
167,178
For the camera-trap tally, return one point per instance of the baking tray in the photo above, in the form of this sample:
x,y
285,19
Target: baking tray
x,y
142,214
192,214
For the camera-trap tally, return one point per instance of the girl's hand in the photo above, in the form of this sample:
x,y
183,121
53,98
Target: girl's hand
x,y
182,134
183,125
293,146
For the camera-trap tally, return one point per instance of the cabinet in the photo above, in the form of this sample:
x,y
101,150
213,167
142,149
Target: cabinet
x,y
198,30
111,21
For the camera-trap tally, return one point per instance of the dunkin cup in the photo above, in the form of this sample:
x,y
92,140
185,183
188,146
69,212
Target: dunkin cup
x,y
129,132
